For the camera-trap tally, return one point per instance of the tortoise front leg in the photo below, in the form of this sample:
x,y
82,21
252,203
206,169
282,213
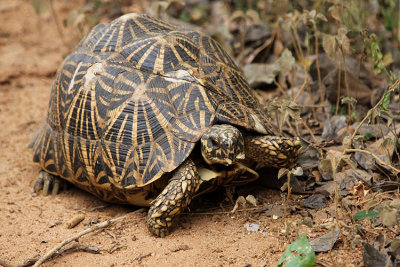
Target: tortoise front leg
x,y
174,199
272,151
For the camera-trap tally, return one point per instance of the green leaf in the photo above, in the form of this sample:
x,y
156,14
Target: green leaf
x,y
365,214
299,253
368,136
349,100
386,100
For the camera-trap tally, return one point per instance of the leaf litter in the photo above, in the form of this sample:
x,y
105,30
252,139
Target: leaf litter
x,y
321,77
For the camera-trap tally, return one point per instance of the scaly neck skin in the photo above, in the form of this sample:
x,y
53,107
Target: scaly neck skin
x,y
271,151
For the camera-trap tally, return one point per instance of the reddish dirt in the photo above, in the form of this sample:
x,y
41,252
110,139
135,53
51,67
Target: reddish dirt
x,y
30,52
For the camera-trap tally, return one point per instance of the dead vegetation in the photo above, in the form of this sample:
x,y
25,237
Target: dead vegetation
x,y
326,71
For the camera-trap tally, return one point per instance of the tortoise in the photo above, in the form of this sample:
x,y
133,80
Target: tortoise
x,y
134,106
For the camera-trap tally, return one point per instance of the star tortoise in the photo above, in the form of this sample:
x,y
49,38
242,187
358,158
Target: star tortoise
x,y
131,103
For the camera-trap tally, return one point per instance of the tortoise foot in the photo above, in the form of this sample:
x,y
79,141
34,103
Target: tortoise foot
x,y
47,181
173,200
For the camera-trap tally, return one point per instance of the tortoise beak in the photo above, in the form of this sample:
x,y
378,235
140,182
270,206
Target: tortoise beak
x,y
241,156
227,162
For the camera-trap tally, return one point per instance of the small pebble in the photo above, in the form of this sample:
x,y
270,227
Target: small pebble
x,y
253,227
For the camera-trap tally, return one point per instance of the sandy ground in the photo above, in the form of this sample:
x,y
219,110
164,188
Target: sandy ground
x,y
30,52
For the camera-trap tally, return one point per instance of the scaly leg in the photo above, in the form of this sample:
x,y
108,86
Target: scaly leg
x,y
174,199
272,151
46,180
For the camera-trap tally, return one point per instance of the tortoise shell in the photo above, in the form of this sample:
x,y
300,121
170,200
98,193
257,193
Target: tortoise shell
x,y
131,101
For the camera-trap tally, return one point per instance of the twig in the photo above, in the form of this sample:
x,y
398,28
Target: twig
x,y
289,193
305,84
309,130
375,157
105,224
322,100
296,41
252,210
242,41
391,88
256,51
74,246
314,106
58,26
346,82
280,88
334,170
339,63
79,246
141,256
54,250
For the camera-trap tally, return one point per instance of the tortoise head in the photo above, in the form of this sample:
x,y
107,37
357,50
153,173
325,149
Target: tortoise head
x,y
222,144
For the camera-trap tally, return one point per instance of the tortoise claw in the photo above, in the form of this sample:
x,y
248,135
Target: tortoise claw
x,y
56,186
45,181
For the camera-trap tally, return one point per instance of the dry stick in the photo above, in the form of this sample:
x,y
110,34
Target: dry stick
x,y
376,166
289,193
73,246
338,87
375,157
291,130
313,110
79,247
58,26
346,82
242,42
309,130
314,106
296,36
297,52
334,166
54,250
305,83
258,50
391,88
322,100
278,124
280,88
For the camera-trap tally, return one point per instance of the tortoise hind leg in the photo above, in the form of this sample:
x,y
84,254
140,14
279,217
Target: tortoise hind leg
x,y
45,181
174,199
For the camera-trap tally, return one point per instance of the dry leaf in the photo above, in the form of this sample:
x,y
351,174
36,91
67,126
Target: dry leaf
x,y
329,45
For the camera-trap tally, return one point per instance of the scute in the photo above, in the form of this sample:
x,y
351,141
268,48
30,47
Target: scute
x,y
130,103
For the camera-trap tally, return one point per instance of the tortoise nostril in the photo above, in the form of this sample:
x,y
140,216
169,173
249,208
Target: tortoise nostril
x,y
213,141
